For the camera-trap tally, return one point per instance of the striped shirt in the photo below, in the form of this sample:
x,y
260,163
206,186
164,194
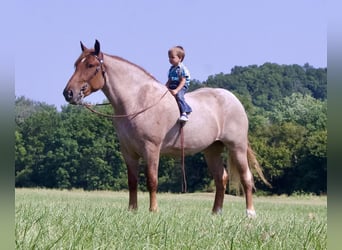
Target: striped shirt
x,y
175,72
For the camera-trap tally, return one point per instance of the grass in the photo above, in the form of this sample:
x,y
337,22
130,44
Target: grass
x,y
52,219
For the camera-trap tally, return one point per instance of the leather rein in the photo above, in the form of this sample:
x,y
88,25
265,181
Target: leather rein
x,y
134,114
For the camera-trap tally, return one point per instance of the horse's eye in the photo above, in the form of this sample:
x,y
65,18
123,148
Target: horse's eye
x,y
90,65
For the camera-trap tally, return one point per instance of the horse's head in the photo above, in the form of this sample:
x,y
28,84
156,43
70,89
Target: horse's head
x,y
89,75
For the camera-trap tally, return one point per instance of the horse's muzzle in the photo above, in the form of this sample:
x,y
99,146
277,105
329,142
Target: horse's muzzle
x,y
68,95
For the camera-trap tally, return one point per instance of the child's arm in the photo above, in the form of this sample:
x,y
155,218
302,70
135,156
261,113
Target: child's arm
x,y
180,86
167,84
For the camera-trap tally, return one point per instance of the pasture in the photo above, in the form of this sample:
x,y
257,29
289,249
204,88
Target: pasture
x,y
54,219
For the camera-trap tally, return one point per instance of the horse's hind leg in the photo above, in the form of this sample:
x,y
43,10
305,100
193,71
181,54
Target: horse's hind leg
x,y
239,161
215,164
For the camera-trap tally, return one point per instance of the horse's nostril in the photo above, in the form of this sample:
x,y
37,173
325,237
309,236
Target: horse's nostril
x,y
68,94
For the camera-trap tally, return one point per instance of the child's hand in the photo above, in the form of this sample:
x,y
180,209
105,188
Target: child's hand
x,y
173,92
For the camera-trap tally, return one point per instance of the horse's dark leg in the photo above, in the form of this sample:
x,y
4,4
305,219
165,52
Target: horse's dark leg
x,y
216,167
239,159
133,188
152,177
133,172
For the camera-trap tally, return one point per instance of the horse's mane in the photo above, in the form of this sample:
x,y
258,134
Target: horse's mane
x,y
120,59
135,65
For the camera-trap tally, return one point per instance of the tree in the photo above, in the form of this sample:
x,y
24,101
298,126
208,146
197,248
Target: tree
x,y
301,109
278,149
293,145
36,136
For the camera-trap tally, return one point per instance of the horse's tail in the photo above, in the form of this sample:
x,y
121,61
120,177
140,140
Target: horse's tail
x,y
254,164
234,176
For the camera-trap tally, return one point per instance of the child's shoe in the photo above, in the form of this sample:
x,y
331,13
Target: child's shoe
x,y
183,118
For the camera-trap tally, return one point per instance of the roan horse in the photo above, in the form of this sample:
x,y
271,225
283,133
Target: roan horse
x,y
146,121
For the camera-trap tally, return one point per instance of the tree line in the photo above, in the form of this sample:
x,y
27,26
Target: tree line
x,y
287,110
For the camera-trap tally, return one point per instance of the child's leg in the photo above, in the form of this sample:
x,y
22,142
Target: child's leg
x,y
183,106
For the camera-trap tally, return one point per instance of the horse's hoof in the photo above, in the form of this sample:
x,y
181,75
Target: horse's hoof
x,y
154,210
133,209
251,213
217,211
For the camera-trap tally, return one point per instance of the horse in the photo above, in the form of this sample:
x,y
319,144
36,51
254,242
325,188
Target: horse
x,y
146,121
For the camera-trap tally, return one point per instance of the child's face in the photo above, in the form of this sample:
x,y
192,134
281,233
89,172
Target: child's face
x,y
174,59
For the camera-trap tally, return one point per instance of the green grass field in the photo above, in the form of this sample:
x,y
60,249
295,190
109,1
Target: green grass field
x,y
52,219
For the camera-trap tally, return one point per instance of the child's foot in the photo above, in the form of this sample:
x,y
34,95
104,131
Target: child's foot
x,y
183,118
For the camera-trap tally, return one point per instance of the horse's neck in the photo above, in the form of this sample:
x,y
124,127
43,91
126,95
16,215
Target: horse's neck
x,y
128,86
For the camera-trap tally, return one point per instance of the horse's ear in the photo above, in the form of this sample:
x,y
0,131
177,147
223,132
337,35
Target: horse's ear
x,y
97,47
82,46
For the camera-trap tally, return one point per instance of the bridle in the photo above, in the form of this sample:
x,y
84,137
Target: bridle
x,y
101,66
98,68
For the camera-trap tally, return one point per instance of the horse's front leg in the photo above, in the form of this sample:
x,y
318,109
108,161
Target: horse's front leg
x,y
133,188
152,178
133,178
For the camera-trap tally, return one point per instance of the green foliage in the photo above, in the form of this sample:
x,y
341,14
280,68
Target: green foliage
x,y
68,149
293,146
24,108
271,82
287,110
301,109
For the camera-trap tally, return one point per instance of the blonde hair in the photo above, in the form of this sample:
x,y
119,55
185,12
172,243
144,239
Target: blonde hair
x,y
179,50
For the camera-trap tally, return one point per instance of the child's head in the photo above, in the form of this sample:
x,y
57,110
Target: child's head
x,y
179,51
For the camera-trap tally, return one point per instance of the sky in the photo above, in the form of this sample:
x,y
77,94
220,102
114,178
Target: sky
x,y
217,35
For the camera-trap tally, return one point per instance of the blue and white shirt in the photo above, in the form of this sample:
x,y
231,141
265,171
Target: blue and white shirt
x,y
174,74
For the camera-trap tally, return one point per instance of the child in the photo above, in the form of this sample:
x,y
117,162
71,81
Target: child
x,y
179,80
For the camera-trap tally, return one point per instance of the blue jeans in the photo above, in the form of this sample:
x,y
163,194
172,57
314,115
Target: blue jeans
x,y
183,106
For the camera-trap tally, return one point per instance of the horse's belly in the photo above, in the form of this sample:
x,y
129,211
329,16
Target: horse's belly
x,y
176,151
192,142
